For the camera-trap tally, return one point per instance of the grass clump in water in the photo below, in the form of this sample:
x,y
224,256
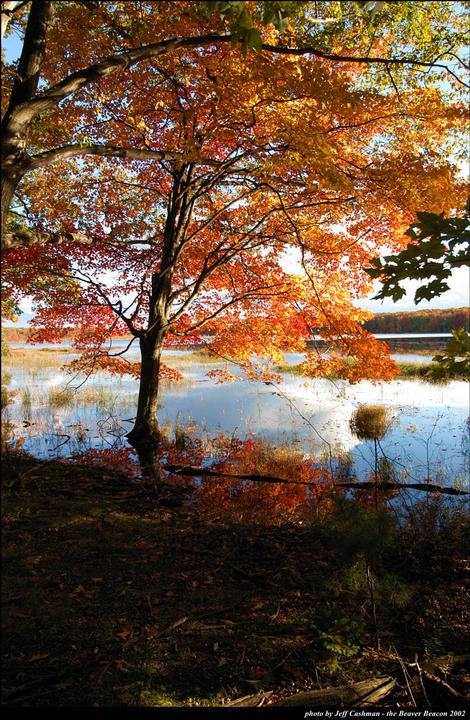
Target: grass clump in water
x,y
370,422
100,396
7,395
26,398
61,397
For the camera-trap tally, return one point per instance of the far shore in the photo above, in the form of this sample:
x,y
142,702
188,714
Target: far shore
x,y
54,357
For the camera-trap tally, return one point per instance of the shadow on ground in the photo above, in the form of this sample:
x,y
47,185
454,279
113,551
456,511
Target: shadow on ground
x,y
109,601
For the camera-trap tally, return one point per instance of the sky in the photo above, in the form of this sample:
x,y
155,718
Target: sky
x,y
457,296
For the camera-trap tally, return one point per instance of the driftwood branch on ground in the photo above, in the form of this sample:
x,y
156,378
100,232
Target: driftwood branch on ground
x,y
445,663
442,685
425,487
429,670
366,692
194,471
250,700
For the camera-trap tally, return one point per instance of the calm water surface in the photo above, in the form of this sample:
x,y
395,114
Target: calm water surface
x,y
428,435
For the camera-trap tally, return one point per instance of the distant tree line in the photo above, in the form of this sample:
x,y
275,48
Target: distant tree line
x,y
420,321
21,334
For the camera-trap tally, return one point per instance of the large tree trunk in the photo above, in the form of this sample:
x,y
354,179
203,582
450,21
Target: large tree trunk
x,y
9,185
144,436
146,423
15,131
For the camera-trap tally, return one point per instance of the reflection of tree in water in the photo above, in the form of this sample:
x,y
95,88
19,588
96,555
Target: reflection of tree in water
x,y
466,448
103,424
148,453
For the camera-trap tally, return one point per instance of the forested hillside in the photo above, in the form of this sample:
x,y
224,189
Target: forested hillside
x,y
21,334
419,321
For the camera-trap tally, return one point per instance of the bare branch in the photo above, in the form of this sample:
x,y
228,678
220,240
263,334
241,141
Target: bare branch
x,y
122,351
309,50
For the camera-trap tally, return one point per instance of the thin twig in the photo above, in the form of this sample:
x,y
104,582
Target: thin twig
x,y
421,680
405,674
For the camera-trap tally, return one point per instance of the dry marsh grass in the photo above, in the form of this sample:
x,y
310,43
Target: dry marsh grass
x,y
370,422
34,358
61,397
37,358
190,359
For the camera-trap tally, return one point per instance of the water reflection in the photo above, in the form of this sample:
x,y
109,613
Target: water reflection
x,y
427,436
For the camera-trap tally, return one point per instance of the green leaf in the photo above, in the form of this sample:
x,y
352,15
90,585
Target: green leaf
x,y
440,244
254,39
245,20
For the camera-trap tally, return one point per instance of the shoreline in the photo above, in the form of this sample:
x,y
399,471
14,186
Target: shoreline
x,y
410,370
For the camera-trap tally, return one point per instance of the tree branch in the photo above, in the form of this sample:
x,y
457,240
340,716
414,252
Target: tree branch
x,y
74,82
32,55
309,50
255,293
25,112
9,8
68,151
21,238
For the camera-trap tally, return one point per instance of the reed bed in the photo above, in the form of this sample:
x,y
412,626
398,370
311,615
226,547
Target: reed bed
x,y
408,371
196,357
37,358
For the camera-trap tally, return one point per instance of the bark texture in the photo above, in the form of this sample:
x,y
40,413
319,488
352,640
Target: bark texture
x,y
146,424
14,131
366,692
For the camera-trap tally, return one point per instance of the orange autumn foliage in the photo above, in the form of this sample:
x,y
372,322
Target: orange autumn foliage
x,y
234,499
274,179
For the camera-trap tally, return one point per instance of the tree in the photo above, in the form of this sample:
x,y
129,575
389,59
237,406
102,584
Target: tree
x,y
455,361
439,245
231,162
54,75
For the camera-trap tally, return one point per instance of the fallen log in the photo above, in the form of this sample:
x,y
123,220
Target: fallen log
x,y
363,693
426,487
193,471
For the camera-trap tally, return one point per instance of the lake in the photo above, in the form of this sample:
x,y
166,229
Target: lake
x,y
399,342
427,437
